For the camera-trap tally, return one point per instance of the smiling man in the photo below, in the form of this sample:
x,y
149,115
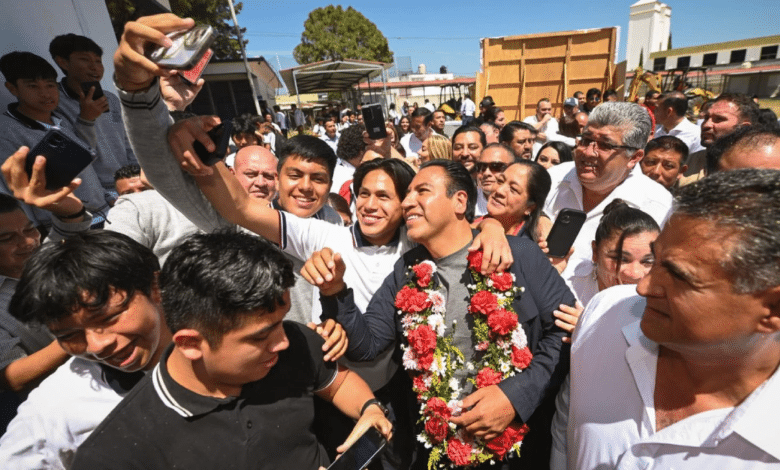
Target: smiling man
x,y
438,210
467,144
236,378
107,314
492,162
605,168
692,360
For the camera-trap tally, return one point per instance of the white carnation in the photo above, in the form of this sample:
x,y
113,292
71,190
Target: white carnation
x,y
436,321
519,340
410,360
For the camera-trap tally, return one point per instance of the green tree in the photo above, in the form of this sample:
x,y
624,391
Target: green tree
x,y
642,57
213,12
669,44
332,33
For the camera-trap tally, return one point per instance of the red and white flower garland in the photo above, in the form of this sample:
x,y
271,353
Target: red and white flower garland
x,y
432,359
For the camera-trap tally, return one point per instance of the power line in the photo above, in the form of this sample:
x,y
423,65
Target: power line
x,y
404,38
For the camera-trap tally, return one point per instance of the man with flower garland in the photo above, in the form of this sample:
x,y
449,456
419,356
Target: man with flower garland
x,y
482,352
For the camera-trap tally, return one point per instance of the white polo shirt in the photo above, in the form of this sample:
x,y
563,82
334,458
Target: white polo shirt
x,y
612,410
637,190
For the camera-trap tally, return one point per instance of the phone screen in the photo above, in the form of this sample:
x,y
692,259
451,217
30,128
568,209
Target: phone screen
x,y
362,452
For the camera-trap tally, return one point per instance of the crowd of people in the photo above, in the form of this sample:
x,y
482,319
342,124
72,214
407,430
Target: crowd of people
x,y
266,311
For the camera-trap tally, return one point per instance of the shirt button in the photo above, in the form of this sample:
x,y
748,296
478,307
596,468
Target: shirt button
x,y
249,425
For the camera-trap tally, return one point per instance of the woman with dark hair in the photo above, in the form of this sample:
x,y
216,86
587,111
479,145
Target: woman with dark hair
x,y
553,153
495,115
621,252
519,197
406,126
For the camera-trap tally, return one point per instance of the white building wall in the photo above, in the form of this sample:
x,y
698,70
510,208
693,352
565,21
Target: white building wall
x,y
30,25
649,25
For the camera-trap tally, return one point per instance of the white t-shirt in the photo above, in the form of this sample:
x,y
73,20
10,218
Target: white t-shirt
x,y
411,145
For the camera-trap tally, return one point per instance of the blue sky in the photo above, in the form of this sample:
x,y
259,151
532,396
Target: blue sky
x,y
449,32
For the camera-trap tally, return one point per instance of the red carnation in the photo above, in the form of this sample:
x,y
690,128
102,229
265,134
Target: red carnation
x,y
512,434
475,260
437,407
419,383
483,302
521,358
459,452
487,377
422,339
412,300
423,271
437,429
502,281
425,361
502,322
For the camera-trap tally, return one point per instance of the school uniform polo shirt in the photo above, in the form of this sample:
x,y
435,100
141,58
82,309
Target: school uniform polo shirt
x,y
162,425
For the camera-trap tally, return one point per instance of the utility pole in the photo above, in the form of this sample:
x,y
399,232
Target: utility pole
x,y
246,62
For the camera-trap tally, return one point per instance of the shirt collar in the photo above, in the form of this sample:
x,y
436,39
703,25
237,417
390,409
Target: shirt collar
x,y
65,89
121,382
359,240
183,401
29,122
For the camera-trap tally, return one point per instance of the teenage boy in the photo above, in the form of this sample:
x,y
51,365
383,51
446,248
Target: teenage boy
x,y
33,82
81,60
106,311
237,387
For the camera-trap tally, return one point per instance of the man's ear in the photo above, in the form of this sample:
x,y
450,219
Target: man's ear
x,y
636,158
683,169
770,323
62,63
191,343
12,89
460,199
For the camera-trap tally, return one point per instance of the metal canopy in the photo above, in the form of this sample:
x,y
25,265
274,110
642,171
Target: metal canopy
x,y
335,75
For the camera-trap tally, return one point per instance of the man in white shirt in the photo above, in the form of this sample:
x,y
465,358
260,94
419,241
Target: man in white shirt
x,y
467,109
691,363
332,135
604,168
670,117
546,126
421,128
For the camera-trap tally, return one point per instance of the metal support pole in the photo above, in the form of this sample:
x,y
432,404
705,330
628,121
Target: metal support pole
x,y
246,62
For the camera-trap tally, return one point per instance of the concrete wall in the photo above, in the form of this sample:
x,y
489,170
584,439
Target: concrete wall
x,y
649,24
30,25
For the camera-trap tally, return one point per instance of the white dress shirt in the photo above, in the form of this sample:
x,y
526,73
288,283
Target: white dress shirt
x,y
551,130
612,421
411,144
686,131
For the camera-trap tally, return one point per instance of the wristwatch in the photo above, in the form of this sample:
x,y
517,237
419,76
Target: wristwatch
x,y
374,401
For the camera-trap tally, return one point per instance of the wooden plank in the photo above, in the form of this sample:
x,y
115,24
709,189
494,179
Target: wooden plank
x,y
566,69
518,117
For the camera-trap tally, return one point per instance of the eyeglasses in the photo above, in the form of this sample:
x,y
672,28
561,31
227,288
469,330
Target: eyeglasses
x,y
495,167
602,146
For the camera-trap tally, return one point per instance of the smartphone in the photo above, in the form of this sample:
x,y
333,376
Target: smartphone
x,y
192,75
564,231
187,50
374,119
85,86
357,457
65,158
220,135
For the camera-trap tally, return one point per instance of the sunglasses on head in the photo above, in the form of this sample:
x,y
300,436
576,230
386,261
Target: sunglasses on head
x,y
495,167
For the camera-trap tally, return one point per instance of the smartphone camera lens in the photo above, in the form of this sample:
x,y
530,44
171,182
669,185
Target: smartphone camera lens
x,y
565,219
57,141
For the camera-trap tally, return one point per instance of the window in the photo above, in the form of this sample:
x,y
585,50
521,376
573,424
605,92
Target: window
x,y
710,59
737,56
768,52
684,62
659,64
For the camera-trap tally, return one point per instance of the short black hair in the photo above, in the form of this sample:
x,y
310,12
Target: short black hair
x,y
669,142
470,128
459,180
26,66
66,44
507,134
424,112
127,171
491,114
398,170
609,93
351,143
213,282
748,109
676,101
623,220
591,93
8,204
307,147
244,124
82,271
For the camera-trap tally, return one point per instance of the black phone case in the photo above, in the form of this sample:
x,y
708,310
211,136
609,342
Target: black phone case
x,y
354,459
65,158
220,135
374,120
564,231
85,86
